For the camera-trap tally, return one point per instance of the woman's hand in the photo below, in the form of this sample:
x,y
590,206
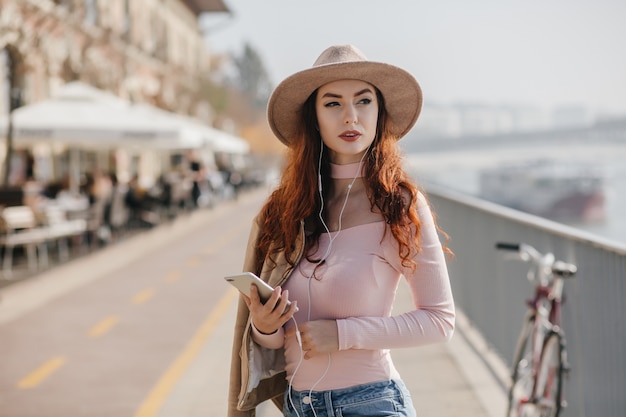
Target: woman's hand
x,y
271,316
318,337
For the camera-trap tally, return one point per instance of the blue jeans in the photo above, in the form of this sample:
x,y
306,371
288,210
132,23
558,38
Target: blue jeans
x,y
382,399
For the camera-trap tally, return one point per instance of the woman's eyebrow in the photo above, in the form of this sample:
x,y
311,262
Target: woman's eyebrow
x,y
358,93
363,91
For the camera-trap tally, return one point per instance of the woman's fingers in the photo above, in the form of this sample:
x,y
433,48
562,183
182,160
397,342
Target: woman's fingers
x,y
274,313
316,337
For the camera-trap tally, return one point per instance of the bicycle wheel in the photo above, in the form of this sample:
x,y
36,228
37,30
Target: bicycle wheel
x,y
550,377
521,390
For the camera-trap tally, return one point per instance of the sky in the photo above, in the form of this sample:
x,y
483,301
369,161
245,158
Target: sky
x,y
543,53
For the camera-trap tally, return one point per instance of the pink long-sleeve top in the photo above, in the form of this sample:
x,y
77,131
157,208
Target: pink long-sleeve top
x,y
356,286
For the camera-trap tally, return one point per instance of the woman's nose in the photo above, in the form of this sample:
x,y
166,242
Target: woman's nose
x,y
350,116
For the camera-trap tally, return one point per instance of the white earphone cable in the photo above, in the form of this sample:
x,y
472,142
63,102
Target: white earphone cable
x,y
326,254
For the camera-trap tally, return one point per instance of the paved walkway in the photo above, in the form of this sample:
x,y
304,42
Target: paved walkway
x,y
445,380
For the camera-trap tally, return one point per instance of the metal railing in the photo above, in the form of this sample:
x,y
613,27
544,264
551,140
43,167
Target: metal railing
x,y
491,291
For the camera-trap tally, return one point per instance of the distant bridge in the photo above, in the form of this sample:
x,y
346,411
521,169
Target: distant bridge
x,y
606,132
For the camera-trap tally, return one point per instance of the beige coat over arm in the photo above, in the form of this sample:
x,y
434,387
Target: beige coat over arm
x,y
258,374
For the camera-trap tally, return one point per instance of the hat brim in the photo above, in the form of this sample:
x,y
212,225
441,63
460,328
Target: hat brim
x,y
402,93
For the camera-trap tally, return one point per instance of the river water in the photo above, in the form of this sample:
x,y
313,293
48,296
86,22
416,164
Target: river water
x,y
459,171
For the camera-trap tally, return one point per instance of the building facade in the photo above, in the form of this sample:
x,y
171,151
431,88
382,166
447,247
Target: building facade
x,y
146,51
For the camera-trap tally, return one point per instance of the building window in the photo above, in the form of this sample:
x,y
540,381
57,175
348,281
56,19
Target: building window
x,y
10,82
127,20
66,4
5,82
91,12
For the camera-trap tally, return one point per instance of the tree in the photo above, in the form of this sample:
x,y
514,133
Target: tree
x,y
252,78
238,89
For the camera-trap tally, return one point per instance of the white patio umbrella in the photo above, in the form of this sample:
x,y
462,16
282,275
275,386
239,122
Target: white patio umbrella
x,y
191,128
221,141
81,116
85,116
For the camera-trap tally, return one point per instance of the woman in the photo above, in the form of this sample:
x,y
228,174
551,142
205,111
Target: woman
x,y
336,236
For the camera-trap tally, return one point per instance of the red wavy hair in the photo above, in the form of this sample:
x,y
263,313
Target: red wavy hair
x,y
296,199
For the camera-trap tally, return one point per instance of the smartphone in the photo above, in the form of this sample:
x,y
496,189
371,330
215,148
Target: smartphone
x,y
243,280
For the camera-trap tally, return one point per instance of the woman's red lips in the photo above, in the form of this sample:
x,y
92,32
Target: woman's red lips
x,y
350,135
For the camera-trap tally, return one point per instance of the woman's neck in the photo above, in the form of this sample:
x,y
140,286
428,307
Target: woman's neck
x,y
346,171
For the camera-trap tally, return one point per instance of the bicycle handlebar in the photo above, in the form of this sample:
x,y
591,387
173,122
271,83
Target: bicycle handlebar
x,y
527,252
524,250
507,246
563,269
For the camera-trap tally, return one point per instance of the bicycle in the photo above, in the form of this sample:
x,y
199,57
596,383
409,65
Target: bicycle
x,y
540,361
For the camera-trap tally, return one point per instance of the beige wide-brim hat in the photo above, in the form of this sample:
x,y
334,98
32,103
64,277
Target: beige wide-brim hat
x,y
402,93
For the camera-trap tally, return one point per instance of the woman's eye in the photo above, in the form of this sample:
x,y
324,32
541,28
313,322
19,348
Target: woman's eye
x,y
365,101
331,104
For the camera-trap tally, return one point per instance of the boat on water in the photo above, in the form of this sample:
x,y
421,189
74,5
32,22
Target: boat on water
x,y
548,188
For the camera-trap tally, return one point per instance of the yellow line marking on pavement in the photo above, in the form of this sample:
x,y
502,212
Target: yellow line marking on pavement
x,y
173,276
225,239
40,374
153,403
104,326
143,296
